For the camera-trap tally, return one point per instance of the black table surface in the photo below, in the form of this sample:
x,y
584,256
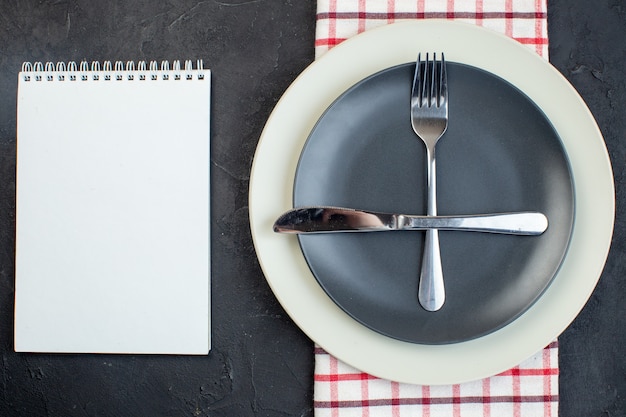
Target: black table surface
x,y
261,364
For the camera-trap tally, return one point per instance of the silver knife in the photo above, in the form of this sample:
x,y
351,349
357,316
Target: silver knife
x,y
338,219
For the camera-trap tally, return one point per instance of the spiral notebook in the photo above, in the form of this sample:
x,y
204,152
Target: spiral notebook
x,y
112,230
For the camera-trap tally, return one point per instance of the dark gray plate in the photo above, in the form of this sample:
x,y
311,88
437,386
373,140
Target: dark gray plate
x,y
499,154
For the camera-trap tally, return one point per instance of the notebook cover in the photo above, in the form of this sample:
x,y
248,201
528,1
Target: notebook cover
x,y
112,244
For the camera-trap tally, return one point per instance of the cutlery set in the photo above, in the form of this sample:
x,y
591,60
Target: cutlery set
x,y
429,120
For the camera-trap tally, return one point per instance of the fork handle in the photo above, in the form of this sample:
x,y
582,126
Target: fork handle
x,y
431,291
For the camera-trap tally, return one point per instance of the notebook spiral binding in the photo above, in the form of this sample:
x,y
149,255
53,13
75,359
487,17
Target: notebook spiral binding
x,y
119,70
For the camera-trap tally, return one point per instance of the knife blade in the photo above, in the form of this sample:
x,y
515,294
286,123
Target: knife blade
x,y
339,219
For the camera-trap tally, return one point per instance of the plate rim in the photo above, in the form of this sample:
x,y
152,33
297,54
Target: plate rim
x,y
286,271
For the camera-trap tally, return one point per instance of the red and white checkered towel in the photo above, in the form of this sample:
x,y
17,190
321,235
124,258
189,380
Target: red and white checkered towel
x,y
529,389
523,20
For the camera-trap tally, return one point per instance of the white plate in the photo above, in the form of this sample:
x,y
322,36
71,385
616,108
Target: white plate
x,y
283,264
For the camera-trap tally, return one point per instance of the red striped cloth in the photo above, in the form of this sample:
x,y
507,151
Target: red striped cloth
x,y
523,20
527,390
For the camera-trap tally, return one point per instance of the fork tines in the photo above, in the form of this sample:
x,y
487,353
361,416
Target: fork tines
x,y
430,77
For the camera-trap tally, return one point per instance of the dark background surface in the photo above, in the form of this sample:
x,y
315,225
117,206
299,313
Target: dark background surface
x,y
261,364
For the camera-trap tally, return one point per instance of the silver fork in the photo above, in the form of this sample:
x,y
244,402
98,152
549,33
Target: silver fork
x,y
429,118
